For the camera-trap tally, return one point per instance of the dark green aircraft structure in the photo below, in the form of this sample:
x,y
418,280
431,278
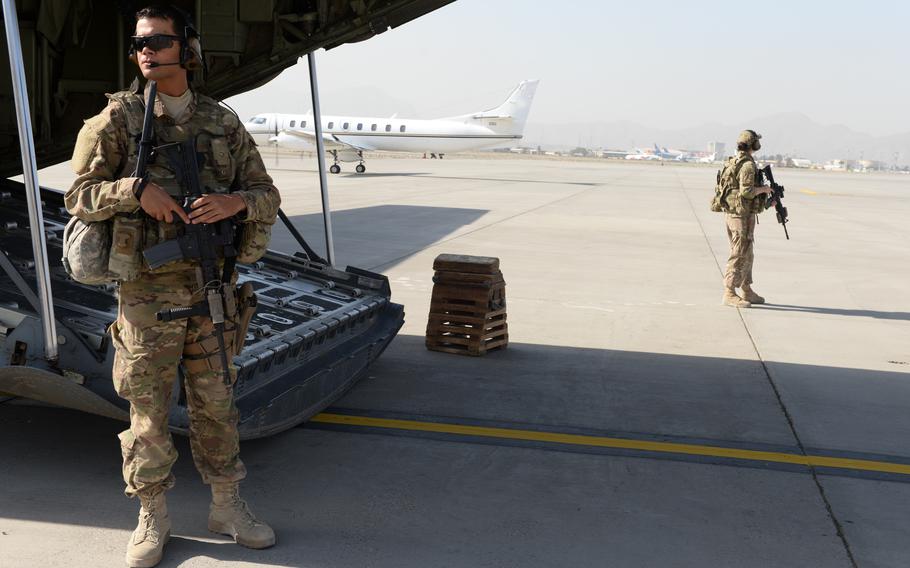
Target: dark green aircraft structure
x,y
317,328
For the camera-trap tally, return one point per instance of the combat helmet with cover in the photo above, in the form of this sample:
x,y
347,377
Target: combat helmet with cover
x,y
749,139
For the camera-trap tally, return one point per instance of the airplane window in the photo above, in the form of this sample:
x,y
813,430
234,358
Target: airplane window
x,y
331,125
373,128
388,127
345,125
401,129
258,120
302,124
293,123
359,126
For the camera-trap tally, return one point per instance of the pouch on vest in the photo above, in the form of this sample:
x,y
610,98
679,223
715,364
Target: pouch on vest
x,y
86,249
126,247
253,241
717,202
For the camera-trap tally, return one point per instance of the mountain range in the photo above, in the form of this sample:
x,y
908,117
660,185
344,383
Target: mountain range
x,y
793,134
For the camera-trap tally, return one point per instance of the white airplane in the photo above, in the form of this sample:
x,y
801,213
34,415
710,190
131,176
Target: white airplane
x,y
347,137
642,155
658,153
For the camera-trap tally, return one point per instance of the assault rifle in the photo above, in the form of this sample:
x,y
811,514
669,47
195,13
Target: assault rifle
x,y
204,243
776,197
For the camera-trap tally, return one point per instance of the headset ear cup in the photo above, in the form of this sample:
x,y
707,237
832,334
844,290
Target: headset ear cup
x,y
192,54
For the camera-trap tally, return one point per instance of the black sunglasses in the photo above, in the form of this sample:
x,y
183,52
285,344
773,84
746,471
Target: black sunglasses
x,y
155,42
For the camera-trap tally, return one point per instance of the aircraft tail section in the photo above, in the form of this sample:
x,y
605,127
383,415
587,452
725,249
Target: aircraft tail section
x,y
510,116
518,105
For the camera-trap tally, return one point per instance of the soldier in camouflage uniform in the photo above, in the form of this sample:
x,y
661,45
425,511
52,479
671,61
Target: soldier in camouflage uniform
x,y
741,201
148,352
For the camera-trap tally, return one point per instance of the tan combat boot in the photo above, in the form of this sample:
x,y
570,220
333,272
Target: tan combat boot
x,y
750,295
147,543
230,515
731,299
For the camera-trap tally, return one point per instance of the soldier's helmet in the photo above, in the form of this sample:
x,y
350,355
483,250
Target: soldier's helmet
x,y
750,138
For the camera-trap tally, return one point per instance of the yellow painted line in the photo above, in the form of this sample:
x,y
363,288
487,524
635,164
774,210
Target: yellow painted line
x,y
619,443
808,192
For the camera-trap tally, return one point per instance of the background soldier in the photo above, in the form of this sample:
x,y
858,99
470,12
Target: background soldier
x,y
741,201
148,352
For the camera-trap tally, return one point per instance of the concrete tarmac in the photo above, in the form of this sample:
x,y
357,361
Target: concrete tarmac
x,y
616,329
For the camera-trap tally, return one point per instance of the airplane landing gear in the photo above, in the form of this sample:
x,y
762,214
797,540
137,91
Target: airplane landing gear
x,y
360,168
335,169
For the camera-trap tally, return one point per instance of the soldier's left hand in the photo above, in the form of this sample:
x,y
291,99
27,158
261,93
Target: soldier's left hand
x,y
215,207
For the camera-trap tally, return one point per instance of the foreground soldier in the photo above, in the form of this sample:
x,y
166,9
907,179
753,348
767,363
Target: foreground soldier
x,y
148,351
741,200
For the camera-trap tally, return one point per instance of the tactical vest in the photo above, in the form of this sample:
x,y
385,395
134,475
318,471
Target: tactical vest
x,y
131,234
207,125
726,195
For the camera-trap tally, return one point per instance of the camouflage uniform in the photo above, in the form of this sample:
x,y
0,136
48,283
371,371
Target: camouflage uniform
x,y
741,205
148,352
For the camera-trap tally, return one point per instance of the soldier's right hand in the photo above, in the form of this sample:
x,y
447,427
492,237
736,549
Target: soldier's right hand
x,y
161,206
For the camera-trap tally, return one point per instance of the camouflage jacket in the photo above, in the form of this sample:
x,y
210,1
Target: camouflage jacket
x,y
104,160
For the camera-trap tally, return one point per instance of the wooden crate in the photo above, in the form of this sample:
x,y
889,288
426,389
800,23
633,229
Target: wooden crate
x,y
468,306
464,263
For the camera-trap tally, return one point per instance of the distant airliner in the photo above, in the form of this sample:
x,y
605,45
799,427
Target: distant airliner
x,y
347,137
658,153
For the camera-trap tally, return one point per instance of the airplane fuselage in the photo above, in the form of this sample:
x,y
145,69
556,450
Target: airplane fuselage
x,y
386,134
346,138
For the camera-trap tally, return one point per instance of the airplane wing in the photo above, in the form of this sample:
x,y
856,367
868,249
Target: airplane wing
x,y
300,140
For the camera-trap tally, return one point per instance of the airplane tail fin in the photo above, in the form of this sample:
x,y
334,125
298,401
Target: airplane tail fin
x,y
510,116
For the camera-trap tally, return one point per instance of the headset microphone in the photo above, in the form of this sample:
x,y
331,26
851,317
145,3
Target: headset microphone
x,y
156,64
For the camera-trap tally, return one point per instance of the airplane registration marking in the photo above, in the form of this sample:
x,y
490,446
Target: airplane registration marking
x,y
808,460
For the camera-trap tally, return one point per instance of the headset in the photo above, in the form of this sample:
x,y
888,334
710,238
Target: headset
x,y
756,140
190,47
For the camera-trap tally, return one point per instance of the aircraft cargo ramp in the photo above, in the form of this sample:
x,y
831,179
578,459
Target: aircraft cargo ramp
x,y
632,421
314,333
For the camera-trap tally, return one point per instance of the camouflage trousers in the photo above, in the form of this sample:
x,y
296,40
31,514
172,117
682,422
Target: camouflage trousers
x,y
147,356
741,233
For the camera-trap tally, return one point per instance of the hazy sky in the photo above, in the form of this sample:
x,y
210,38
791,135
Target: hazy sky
x,y
661,63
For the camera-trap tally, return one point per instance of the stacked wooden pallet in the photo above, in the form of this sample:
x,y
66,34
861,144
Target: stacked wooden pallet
x,y
468,306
